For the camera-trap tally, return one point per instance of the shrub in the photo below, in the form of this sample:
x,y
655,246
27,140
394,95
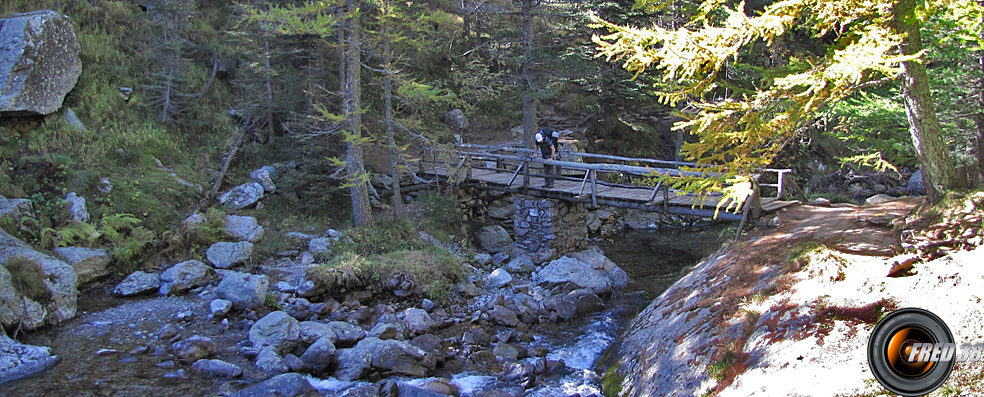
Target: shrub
x,y
433,271
381,238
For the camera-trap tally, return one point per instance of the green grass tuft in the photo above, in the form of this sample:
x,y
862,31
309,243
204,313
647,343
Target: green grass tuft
x,y
28,278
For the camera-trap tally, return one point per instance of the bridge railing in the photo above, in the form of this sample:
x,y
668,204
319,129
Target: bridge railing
x,y
524,163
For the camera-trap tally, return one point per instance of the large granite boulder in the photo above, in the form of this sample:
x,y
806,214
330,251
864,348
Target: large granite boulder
x,y
224,255
244,228
18,360
291,384
138,283
76,207
89,264
242,196
17,211
588,269
494,238
184,276
56,303
264,176
278,330
916,185
39,62
244,290
340,333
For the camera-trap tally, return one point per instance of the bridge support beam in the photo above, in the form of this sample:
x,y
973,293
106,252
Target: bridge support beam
x,y
547,223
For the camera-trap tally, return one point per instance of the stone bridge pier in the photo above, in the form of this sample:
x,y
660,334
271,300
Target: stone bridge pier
x,y
547,223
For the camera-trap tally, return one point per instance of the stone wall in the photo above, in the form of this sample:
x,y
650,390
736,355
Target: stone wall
x,y
545,223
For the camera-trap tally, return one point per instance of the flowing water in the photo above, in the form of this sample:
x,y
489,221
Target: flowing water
x,y
653,260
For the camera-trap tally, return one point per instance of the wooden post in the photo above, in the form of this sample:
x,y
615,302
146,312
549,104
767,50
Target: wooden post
x,y
421,162
468,163
756,203
526,173
625,176
594,188
434,168
666,199
781,188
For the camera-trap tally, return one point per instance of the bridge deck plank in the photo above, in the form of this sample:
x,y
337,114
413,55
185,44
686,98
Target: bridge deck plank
x,y
574,190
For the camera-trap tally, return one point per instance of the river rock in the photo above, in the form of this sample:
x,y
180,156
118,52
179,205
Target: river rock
x,y
220,307
384,330
244,228
339,332
475,336
59,302
418,320
76,208
242,196
522,373
879,199
584,301
217,369
184,276
456,118
270,361
587,269
504,316
499,257
20,213
320,246
244,290
543,255
264,176
441,386
499,278
224,255
916,185
482,258
520,263
278,330
194,348
39,62
18,360
352,364
285,385
494,238
319,355
89,264
399,357
138,283
505,351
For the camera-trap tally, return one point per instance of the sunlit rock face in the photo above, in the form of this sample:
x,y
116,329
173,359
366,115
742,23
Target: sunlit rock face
x,y
39,62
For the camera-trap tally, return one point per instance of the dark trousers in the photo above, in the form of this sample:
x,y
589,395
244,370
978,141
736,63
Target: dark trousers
x,y
550,173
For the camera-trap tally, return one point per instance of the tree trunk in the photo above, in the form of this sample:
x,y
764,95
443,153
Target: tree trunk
x,y
934,157
979,118
341,53
529,105
355,169
388,99
268,91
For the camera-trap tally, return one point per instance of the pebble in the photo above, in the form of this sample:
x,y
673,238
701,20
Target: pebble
x,y
105,352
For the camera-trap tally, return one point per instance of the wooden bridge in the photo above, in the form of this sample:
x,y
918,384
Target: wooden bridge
x,y
598,180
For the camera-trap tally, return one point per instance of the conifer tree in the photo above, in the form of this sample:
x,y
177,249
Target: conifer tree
x,y
872,42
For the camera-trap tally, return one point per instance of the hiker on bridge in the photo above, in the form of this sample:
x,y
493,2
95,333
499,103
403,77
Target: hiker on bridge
x,y
547,140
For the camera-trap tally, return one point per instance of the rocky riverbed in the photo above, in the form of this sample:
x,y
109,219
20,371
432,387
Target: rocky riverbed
x,y
217,339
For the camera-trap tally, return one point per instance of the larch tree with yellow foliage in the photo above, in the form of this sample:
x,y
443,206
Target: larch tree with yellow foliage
x,y
869,42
